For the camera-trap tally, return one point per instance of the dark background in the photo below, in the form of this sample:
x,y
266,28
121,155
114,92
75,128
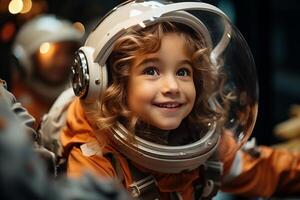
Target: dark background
x,y
269,26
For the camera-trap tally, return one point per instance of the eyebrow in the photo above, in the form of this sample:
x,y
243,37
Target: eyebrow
x,y
155,60
186,61
147,60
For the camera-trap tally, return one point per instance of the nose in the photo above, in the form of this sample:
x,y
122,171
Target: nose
x,y
170,85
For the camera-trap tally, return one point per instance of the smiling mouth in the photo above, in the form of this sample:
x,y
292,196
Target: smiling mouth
x,y
168,105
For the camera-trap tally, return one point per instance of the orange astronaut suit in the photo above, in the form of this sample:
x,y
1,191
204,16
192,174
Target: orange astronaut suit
x,y
32,101
273,172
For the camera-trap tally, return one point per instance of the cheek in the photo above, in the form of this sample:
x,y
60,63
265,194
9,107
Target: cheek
x,y
192,99
194,95
191,96
140,93
190,91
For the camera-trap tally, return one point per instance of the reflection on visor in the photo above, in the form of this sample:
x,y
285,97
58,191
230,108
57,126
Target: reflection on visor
x,y
52,61
61,50
45,47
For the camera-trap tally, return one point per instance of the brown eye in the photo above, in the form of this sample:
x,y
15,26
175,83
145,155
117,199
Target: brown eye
x,y
151,71
183,72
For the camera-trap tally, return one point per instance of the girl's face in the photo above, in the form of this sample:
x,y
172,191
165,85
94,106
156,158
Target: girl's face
x,y
161,89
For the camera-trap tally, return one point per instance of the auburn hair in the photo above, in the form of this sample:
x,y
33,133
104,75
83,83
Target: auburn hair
x,y
208,77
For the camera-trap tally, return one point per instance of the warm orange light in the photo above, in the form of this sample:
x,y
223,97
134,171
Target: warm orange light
x,y
7,32
47,51
27,5
45,47
79,26
15,6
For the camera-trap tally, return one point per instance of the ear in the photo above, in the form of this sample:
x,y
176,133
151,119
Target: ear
x,y
89,79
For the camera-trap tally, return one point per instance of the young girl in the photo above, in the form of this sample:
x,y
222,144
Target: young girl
x,y
157,126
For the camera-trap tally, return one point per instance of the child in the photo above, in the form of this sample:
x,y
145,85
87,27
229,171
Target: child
x,y
42,53
173,111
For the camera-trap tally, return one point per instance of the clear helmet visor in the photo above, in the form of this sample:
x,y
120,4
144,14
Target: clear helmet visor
x,y
234,92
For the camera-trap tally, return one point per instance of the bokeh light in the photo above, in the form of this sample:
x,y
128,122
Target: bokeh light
x,y
15,6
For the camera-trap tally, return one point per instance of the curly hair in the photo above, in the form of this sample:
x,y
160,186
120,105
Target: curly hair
x,y
112,105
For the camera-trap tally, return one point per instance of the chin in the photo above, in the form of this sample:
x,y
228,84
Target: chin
x,y
168,127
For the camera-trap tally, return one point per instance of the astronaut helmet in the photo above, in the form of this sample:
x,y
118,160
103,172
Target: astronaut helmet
x,y
44,51
226,86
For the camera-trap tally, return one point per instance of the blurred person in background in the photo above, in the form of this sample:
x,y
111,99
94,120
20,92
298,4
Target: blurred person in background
x,y
23,173
42,55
